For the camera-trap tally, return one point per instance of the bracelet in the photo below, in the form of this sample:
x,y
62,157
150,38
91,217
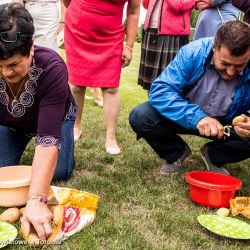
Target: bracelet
x,y
128,48
62,22
40,198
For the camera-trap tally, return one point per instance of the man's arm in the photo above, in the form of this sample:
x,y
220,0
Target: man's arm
x,y
166,97
166,91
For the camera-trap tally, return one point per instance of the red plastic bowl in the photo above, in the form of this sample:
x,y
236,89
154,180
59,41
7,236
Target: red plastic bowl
x,y
212,189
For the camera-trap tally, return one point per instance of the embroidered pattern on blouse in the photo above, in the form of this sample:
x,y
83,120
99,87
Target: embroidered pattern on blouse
x,y
71,111
26,99
48,141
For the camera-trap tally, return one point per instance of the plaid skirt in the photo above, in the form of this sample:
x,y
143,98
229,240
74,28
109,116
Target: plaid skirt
x,y
157,51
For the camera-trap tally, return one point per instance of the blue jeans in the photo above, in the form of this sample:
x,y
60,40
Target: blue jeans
x,y
14,144
162,135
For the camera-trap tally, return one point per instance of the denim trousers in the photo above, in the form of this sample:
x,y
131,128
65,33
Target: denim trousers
x,y
14,144
162,135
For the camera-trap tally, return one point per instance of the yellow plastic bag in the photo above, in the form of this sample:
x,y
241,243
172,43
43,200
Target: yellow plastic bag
x,y
73,210
240,205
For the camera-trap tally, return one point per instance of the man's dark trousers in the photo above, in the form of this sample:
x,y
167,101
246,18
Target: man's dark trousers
x,y
162,135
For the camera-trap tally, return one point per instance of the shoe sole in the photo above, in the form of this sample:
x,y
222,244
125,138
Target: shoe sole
x,y
165,173
204,160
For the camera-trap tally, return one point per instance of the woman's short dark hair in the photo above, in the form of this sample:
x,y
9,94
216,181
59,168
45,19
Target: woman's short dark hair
x,y
234,35
16,31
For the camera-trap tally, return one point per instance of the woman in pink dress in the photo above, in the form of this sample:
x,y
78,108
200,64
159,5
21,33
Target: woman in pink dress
x,y
95,54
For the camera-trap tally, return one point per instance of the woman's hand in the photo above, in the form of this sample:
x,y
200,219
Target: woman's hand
x,y
243,128
126,57
37,214
203,4
60,27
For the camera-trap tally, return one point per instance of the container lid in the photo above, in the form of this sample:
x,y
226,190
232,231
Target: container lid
x,y
15,176
213,181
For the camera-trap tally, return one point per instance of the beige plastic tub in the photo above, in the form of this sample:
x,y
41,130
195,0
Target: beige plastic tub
x,y
14,185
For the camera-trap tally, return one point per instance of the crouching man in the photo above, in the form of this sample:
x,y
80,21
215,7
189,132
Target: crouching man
x,y
201,91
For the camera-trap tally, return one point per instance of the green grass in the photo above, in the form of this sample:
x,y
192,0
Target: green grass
x,y
138,208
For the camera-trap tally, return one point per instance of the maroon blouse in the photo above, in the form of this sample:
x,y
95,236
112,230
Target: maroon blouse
x,y
46,102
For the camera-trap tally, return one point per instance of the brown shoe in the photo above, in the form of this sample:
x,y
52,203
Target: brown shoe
x,y
175,167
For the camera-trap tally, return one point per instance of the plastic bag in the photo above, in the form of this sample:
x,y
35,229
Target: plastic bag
x,y
73,210
240,205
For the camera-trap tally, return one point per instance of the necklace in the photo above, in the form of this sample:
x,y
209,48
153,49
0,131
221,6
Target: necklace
x,y
14,101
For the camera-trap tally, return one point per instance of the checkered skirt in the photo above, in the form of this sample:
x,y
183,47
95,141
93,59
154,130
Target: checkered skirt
x,y
157,51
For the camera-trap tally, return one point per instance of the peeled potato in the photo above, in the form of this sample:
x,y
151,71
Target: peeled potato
x,y
238,119
10,215
222,211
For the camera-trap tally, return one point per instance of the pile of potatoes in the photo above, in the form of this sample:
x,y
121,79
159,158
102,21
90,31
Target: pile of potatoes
x,y
11,215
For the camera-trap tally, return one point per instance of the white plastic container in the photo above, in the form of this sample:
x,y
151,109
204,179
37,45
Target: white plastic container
x,y
14,185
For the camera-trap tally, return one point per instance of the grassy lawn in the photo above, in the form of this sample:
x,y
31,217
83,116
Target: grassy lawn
x,y
139,208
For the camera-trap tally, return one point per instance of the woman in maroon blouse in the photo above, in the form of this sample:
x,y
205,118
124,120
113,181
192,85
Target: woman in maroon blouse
x,y
35,101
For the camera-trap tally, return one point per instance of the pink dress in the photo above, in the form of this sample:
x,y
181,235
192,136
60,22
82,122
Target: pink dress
x,y
94,36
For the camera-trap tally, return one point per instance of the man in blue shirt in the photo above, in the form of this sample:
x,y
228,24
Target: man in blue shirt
x,y
201,91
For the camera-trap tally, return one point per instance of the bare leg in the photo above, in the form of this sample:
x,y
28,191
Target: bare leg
x,y
79,94
98,97
111,112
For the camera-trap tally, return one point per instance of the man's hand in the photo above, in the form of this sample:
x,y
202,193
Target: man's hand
x,y
37,214
243,128
210,127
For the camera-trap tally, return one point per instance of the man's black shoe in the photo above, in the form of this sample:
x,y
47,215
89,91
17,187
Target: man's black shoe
x,y
175,167
210,166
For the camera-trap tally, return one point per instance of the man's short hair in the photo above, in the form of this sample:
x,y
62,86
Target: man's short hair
x,y
16,31
234,35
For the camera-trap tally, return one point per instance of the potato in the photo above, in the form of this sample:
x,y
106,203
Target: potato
x,y
22,210
222,211
238,119
34,241
32,238
10,215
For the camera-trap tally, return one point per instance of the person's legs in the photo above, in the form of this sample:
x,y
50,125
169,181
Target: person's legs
x,y
98,96
111,112
13,145
159,132
66,160
79,94
232,149
46,22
